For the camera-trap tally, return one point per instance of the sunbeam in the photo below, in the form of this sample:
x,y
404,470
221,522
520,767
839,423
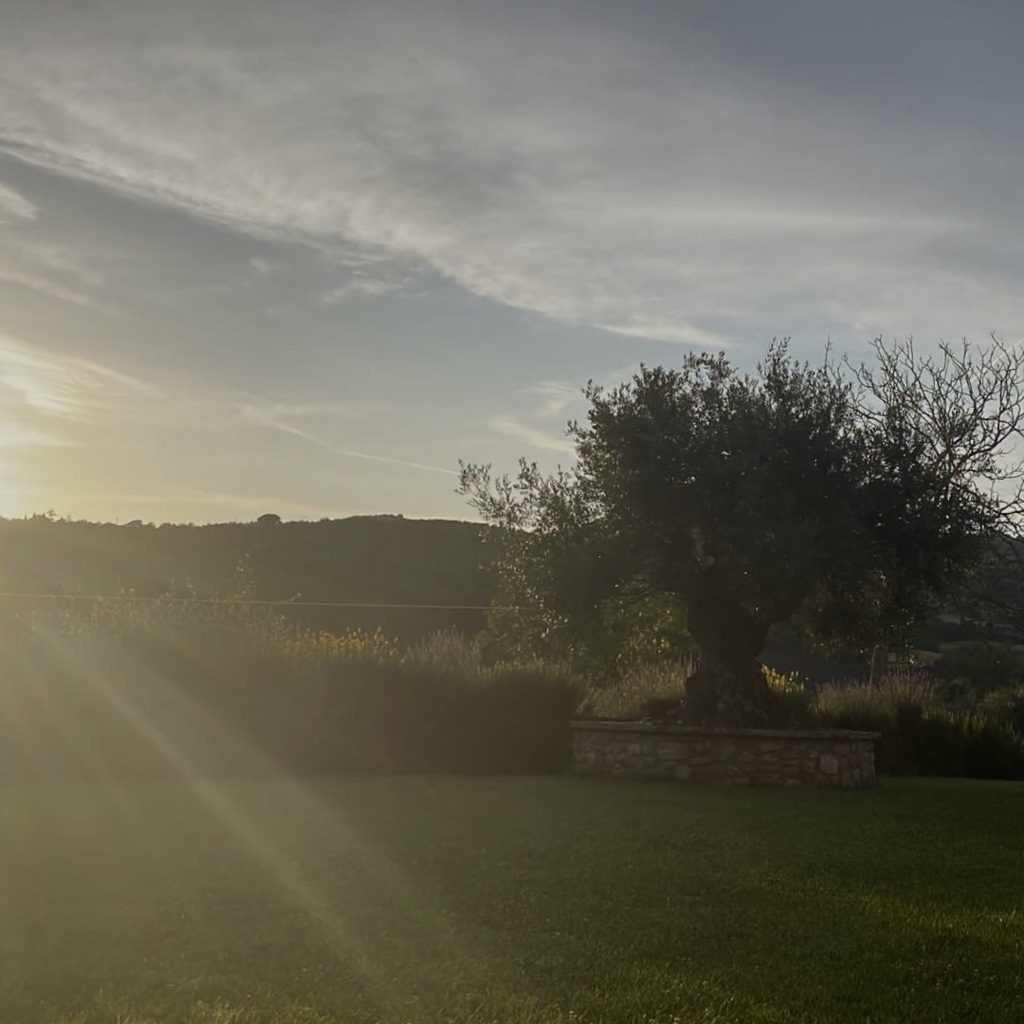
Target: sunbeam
x,y
111,711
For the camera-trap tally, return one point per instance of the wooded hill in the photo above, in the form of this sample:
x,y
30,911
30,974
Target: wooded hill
x,y
361,560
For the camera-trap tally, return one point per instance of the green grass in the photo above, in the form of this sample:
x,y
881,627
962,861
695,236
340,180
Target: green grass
x,y
510,900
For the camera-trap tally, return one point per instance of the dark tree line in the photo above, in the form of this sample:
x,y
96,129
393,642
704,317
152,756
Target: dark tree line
x,y
366,560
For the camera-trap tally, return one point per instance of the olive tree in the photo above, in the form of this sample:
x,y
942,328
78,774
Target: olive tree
x,y
850,499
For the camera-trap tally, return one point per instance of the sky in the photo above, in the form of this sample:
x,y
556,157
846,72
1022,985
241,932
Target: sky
x,y
303,256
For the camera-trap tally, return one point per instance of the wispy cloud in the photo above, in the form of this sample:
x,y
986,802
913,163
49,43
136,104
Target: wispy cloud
x,y
350,453
707,195
556,397
46,397
667,329
50,400
261,268
283,416
274,413
64,387
73,264
511,426
369,287
48,287
544,425
49,269
17,434
13,205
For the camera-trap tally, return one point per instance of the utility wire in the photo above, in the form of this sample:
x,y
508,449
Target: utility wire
x,y
255,601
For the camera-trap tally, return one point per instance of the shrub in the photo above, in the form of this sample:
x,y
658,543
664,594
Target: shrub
x,y
184,687
992,750
518,721
792,692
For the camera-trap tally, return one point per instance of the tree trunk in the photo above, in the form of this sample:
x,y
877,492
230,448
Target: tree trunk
x,y
730,689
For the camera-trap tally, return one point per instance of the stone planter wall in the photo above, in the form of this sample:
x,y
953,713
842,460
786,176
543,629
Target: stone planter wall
x,y
758,757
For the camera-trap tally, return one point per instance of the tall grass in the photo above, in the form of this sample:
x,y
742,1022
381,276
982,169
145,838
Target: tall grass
x,y
920,735
640,689
449,651
895,689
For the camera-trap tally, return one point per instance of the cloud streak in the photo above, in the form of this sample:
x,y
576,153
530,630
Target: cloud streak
x,y
556,397
48,288
64,387
282,416
14,206
371,287
45,397
348,453
273,413
533,436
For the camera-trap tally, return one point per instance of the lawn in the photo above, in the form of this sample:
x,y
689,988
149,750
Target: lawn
x,y
510,900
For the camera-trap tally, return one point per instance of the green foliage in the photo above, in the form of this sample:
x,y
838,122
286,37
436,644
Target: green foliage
x,y
174,688
603,642
848,502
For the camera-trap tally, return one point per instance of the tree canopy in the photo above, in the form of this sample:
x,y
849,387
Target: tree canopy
x,y
847,499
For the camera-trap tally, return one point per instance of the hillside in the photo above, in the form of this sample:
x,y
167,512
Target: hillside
x,y
360,560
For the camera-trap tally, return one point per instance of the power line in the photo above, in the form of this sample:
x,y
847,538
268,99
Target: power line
x,y
255,601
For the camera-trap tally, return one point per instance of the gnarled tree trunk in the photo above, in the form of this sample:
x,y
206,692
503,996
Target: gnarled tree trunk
x,y
730,687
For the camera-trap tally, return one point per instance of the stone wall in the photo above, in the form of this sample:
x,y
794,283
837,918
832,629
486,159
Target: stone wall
x,y
758,757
